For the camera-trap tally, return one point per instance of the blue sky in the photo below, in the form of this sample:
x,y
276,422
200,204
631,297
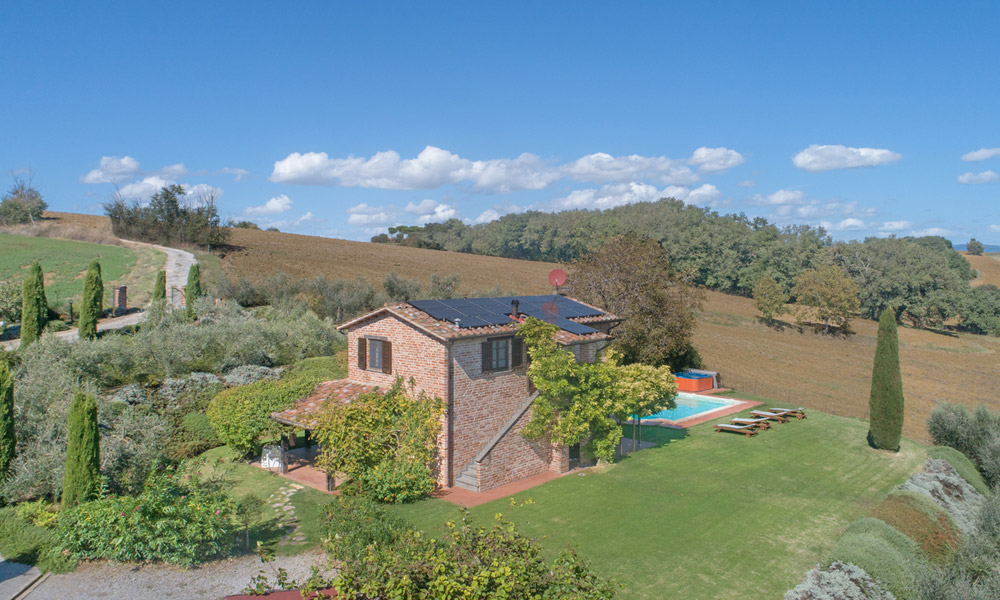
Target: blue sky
x,y
337,120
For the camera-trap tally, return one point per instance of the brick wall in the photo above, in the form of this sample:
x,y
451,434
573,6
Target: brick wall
x,y
515,458
414,354
483,402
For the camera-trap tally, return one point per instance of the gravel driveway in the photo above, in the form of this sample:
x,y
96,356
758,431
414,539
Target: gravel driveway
x,y
177,264
102,580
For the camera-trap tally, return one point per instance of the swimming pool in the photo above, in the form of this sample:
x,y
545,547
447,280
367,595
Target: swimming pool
x,y
690,405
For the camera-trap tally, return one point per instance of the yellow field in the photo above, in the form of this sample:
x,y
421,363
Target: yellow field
x,y
987,266
828,373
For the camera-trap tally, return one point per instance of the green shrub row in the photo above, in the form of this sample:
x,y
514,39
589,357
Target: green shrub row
x,y
178,518
24,542
883,552
923,521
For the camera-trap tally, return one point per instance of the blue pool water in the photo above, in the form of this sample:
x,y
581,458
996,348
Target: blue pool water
x,y
689,405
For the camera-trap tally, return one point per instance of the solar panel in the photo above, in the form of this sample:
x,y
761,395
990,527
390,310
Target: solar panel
x,y
480,312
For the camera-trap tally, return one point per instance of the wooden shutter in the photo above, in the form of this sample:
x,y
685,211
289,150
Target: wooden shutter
x,y
487,356
387,357
362,353
516,352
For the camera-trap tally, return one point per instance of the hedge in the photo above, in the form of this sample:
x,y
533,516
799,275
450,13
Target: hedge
x,y
883,552
23,542
923,521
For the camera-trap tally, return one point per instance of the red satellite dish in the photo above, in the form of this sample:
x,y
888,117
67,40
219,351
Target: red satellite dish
x,y
557,277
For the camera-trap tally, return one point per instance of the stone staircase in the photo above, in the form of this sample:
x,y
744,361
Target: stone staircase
x,y
466,478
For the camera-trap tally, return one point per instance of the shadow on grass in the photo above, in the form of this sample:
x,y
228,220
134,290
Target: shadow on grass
x,y
654,434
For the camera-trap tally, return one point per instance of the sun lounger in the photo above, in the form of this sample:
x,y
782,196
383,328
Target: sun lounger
x,y
747,430
799,413
770,415
759,423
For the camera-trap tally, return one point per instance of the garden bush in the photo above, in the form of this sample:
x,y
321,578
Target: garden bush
x,y
942,483
398,481
353,523
921,520
962,464
988,459
953,425
169,358
883,552
178,518
38,512
241,415
486,563
192,435
23,542
839,581
385,442
247,374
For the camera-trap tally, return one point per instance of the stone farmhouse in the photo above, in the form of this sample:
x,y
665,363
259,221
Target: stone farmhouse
x,y
465,352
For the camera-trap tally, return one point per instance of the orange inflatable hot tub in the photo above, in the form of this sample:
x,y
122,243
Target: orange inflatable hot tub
x,y
693,382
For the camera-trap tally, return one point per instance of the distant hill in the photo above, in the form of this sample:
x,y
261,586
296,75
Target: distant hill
x,y
988,247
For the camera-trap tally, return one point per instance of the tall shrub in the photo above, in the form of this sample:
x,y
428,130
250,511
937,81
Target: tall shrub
x,y
93,302
34,305
193,289
83,459
7,439
885,405
160,289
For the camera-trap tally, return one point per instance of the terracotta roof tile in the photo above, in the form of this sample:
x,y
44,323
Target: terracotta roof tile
x,y
303,413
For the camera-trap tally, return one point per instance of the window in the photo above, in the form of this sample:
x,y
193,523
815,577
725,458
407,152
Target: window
x,y
375,355
500,356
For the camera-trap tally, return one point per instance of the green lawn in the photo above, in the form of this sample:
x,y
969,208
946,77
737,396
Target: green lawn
x,y
708,515
247,479
64,263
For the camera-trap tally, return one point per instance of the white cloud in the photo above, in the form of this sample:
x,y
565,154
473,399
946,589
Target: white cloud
x,y
366,215
848,224
431,211
941,231
306,218
984,177
173,171
895,225
713,160
619,194
274,206
239,174
601,168
143,189
490,214
202,192
779,198
112,169
981,154
994,227
434,167
818,158
747,183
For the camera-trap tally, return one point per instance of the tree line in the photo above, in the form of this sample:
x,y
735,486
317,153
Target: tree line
x,y
169,218
924,279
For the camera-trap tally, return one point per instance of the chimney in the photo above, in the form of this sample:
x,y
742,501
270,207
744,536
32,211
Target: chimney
x,y
513,308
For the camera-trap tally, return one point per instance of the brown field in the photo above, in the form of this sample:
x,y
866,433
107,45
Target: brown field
x,y
827,373
261,253
987,266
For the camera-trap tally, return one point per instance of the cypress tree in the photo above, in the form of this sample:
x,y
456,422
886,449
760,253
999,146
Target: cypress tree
x,y
83,452
7,439
885,405
193,289
160,289
93,302
34,306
